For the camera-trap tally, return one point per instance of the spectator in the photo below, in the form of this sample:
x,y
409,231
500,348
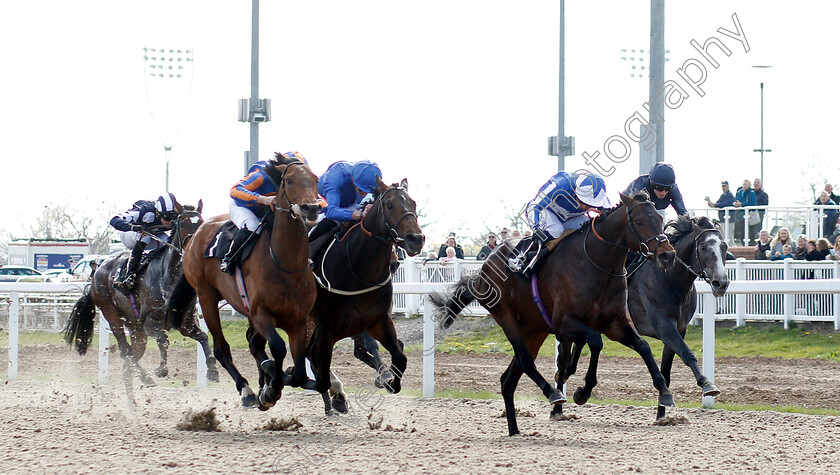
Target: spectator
x,y
830,190
761,199
744,197
450,242
762,249
431,256
829,215
528,233
778,242
834,254
449,257
503,234
516,234
488,248
801,249
817,250
787,253
726,199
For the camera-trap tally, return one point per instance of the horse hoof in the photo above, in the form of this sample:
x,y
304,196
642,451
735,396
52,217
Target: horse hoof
x,y
393,386
556,397
161,372
339,404
667,400
267,400
213,376
249,399
710,390
581,396
383,379
309,384
267,367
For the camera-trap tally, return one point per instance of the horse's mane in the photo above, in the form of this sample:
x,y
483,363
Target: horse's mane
x,y
683,225
278,160
189,207
638,196
376,191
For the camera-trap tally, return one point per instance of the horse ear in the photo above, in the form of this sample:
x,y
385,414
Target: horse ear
x,y
381,184
625,199
200,205
404,184
178,208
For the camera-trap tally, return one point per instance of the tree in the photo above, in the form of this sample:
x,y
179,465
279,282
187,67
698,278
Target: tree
x,y
89,223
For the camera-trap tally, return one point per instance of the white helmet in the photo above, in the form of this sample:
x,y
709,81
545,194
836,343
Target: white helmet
x,y
591,189
165,204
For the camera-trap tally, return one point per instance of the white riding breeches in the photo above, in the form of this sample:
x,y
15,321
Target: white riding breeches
x,y
551,224
130,239
243,218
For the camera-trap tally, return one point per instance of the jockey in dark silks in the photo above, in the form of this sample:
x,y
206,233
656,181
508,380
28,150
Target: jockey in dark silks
x,y
143,226
251,198
661,185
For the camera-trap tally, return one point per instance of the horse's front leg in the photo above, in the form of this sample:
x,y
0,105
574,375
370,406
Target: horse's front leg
x,y
297,346
675,343
155,330
366,349
193,331
386,334
629,337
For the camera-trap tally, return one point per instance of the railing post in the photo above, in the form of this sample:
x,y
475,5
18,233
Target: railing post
x,y
14,322
412,301
428,350
200,357
104,343
788,298
740,299
746,227
726,236
836,298
709,344
55,314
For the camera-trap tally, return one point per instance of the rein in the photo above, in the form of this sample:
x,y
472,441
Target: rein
x,y
690,268
660,238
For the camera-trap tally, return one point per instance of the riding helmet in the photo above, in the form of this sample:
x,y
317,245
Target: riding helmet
x,y
165,204
591,189
364,175
662,174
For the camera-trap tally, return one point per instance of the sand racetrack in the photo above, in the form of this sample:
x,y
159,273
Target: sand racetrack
x,y
55,419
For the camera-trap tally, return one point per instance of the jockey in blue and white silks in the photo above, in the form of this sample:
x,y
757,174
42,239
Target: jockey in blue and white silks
x,y
133,226
561,203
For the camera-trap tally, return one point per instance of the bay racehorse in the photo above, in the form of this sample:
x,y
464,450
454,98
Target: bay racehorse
x,y
663,302
581,284
278,285
354,281
143,311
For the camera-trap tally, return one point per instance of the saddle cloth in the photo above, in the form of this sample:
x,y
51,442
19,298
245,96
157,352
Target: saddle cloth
x,y
148,256
220,243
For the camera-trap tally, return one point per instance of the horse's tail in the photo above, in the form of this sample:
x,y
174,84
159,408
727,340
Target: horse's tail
x,y
79,329
454,302
180,301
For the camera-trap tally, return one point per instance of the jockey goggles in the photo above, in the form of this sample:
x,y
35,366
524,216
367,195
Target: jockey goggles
x,y
661,188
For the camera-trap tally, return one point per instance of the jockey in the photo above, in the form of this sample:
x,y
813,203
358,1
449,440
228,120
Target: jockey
x,y
661,186
251,198
345,186
143,226
561,205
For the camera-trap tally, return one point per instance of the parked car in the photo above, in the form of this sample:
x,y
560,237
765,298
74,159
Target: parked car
x,y
10,273
81,271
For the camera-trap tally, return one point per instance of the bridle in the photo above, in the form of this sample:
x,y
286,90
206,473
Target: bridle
x,y
393,236
690,268
291,209
643,244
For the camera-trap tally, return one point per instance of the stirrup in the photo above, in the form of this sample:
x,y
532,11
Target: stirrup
x,y
226,267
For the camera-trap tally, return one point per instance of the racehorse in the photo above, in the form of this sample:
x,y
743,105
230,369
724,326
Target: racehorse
x,y
661,303
354,283
278,285
581,284
143,311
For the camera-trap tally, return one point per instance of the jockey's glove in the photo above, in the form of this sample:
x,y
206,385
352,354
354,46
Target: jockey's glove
x,y
138,228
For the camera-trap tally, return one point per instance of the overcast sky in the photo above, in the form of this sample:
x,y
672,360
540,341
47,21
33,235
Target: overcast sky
x,y
456,96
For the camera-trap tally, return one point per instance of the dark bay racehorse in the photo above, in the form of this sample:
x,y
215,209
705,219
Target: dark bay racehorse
x,y
277,278
143,312
355,291
662,303
581,285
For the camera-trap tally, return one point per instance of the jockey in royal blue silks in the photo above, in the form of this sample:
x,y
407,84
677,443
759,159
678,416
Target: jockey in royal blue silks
x,y
345,186
135,233
250,200
560,205
661,185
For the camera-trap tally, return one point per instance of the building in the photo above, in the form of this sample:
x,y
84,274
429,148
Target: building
x,y
44,254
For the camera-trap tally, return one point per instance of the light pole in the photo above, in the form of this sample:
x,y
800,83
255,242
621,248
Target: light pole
x,y
254,110
167,79
762,149
559,145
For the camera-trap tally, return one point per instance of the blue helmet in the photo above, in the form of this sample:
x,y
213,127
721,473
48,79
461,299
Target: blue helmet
x,y
662,174
591,189
364,175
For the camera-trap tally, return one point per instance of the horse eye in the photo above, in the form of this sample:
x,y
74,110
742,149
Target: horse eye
x,y
389,205
288,181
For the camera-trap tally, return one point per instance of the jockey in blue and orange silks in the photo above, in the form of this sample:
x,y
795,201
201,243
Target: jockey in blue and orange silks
x,y
561,205
252,198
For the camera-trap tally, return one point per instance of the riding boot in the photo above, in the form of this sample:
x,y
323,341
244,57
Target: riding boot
x,y
533,258
241,236
127,284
